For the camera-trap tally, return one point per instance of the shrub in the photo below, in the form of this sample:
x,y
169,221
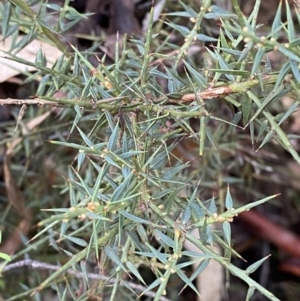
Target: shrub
x,y
129,196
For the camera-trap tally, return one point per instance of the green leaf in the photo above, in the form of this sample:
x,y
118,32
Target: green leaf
x,y
222,63
173,83
114,257
201,81
122,189
156,73
228,199
26,40
95,216
251,205
250,293
152,286
291,55
252,133
135,240
233,72
295,43
80,160
276,26
217,12
5,257
166,239
197,211
295,70
161,256
134,271
86,90
189,10
288,113
210,137
203,232
134,218
111,161
199,269
205,38
179,14
85,138
290,22
182,29
142,233
76,240
187,281
186,215
283,72
246,109
257,60
112,142
253,267
5,19
227,232
273,95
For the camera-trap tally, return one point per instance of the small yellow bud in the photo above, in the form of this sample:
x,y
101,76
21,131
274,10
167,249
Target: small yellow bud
x,y
82,216
262,38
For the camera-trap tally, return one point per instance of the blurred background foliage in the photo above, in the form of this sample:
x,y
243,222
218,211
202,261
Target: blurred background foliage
x,y
155,119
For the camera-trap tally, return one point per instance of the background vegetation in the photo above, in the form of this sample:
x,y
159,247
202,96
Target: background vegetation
x,y
126,146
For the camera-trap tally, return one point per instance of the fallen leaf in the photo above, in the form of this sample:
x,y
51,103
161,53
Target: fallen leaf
x,y
11,68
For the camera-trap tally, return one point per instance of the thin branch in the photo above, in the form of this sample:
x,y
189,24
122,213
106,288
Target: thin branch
x,y
45,266
112,106
61,102
32,101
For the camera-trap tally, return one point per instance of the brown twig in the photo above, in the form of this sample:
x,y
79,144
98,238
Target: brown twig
x,y
279,236
239,87
33,101
291,265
